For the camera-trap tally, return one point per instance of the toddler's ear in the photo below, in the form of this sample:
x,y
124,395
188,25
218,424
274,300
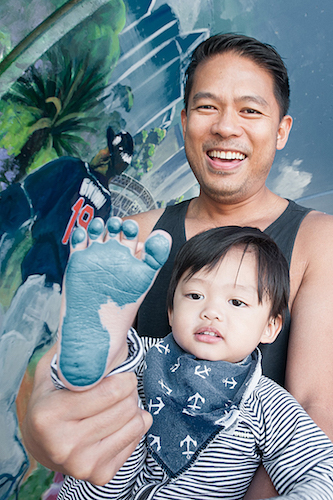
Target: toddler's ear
x,y
272,330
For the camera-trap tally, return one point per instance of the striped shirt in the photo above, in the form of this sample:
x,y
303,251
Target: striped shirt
x,y
272,428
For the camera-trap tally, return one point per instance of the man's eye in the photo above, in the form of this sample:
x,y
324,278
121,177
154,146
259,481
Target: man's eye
x,y
205,106
237,303
250,111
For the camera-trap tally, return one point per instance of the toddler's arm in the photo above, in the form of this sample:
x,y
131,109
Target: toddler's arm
x,y
297,455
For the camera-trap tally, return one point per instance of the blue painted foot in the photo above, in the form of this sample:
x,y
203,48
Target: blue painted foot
x,y
104,287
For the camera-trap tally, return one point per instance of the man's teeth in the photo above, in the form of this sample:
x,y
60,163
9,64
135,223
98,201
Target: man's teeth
x,y
227,155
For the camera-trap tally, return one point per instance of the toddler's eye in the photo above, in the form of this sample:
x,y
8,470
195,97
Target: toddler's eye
x,y
194,296
237,303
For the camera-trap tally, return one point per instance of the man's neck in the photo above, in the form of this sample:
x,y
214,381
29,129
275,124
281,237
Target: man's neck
x,y
258,211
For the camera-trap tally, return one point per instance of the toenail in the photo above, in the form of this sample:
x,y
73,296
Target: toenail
x,y
114,226
78,236
130,229
95,228
157,249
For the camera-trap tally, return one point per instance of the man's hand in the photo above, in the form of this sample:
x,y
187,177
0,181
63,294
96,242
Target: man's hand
x,y
88,435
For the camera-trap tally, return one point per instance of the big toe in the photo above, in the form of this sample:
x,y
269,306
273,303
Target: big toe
x,y
156,249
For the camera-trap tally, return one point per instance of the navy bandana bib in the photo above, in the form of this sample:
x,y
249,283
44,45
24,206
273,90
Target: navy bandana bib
x,y
191,400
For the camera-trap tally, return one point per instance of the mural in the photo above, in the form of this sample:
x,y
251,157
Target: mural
x,y
90,100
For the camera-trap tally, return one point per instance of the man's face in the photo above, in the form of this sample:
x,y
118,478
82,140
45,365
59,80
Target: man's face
x,y
232,127
216,313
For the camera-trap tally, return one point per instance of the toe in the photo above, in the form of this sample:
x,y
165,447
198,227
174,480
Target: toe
x,y
78,239
156,249
130,229
114,226
130,235
96,230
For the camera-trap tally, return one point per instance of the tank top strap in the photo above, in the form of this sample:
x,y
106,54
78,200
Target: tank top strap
x,y
173,220
285,228
283,231
152,319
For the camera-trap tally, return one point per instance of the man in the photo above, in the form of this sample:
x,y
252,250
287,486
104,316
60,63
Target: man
x,y
236,100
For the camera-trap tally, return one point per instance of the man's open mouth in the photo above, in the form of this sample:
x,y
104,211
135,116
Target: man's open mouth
x,y
226,155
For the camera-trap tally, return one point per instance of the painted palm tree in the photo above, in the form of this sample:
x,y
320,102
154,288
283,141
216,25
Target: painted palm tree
x,y
61,94
62,90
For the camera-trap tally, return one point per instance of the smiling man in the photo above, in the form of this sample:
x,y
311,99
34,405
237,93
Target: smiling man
x,y
232,127
234,119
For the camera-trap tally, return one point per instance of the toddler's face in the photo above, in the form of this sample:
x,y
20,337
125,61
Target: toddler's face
x,y
216,314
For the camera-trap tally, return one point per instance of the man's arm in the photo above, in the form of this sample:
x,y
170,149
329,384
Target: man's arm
x,y
261,486
309,374
89,434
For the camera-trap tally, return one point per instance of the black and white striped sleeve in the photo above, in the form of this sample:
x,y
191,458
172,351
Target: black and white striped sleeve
x,y
135,355
297,455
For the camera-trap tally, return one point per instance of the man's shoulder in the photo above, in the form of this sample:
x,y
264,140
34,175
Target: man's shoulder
x,y
313,245
316,229
311,262
315,217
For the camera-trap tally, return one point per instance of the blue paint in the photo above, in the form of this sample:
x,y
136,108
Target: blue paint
x,y
130,229
78,236
96,228
114,225
156,251
94,276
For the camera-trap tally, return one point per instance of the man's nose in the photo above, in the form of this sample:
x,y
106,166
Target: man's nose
x,y
226,123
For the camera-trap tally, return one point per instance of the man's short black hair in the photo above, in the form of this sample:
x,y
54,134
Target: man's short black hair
x,y
262,54
207,249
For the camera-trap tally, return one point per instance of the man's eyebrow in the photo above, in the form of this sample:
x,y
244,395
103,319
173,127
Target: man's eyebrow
x,y
204,95
254,98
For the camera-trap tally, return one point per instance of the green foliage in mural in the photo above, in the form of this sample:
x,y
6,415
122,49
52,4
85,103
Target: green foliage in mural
x,y
145,145
11,277
5,44
36,485
98,36
14,130
60,98
59,94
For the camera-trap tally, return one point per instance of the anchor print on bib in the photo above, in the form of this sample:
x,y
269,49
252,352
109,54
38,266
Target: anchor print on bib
x,y
191,400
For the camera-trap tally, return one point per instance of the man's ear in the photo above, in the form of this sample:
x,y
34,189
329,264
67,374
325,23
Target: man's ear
x,y
272,330
283,131
183,117
170,316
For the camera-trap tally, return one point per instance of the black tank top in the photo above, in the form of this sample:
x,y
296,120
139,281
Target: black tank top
x,y
152,318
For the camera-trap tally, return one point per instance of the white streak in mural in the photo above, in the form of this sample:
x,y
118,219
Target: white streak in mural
x,y
291,181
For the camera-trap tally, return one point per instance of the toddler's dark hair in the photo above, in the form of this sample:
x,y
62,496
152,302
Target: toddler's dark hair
x,y
207,249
